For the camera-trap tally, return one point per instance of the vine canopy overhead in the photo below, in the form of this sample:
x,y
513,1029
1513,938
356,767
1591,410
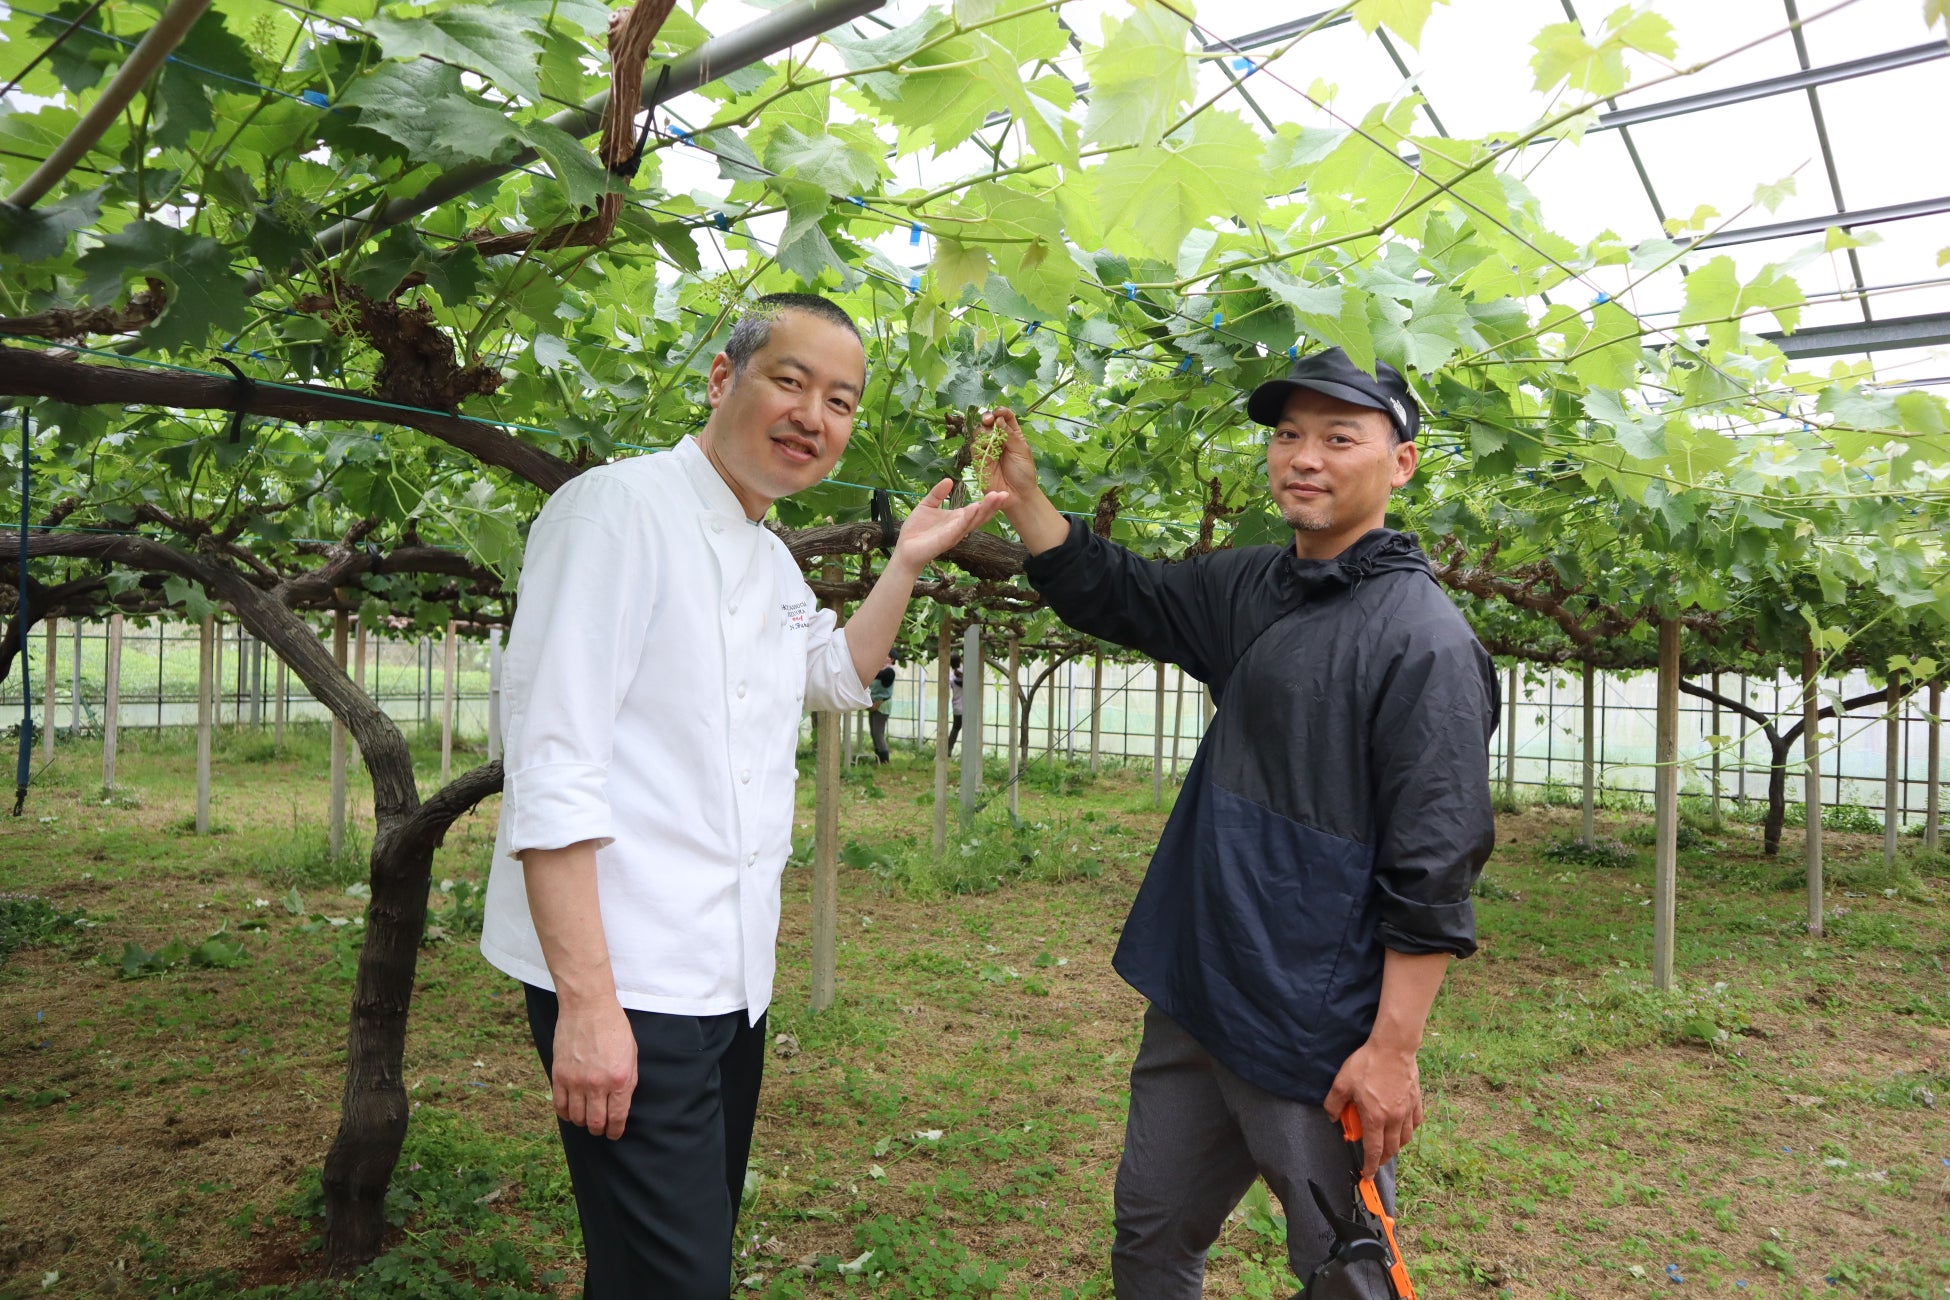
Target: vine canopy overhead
x,y
1665,279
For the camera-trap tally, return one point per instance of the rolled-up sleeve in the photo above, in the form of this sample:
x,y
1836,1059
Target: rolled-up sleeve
x,y
832,682
1435,825
583,611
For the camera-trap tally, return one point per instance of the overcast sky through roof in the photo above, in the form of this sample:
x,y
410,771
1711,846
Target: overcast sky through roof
x,y
1473,66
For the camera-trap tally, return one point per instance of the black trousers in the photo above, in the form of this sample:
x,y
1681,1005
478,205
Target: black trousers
x,y
659,1204
953,732
877,725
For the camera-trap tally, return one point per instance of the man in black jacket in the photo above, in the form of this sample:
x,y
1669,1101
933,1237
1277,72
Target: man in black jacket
x,y
1313,882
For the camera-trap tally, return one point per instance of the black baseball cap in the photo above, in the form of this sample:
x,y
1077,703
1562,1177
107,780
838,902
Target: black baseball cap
x,y
1330,372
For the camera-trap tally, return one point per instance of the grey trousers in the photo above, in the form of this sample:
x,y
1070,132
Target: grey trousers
x,y
1197,1136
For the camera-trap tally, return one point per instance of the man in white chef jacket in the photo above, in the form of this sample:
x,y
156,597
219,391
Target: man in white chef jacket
x,y
663,651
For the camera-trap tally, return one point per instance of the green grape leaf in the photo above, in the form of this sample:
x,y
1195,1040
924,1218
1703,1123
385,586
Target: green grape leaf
x,y
1565,56
582,177
859,53
422,107
837,162
1608,353
1838,240
189,596
1641,436
498,41
181,107
736,161
1402,17
1140,77
1156,195
1422,333
204,292
1773,196
41,234
957,264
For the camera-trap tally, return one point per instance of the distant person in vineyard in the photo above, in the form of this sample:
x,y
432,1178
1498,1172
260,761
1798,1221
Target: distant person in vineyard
x,y
663,650
881,691
954,700
1313,882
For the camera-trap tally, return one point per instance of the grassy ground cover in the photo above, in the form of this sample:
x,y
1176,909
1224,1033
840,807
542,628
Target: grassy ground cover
x,y
171,1038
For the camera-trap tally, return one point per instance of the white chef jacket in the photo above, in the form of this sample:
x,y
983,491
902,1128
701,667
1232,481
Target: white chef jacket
x,y
663,650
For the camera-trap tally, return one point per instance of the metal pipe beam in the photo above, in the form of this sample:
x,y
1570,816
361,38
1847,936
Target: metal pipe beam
x,y
147,56
1815,225
1803,80
1275,34
776,31
1866,336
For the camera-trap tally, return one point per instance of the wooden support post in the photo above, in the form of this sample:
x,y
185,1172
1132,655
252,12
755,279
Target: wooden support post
x,y
1589,830
1811,779
358,661
826,858
494,694
1931,821
447,707
257,684
1049,713
827,752
205,708
1665,807
971,719
1510,741
1892,771
1158,736
336,816
1177,719
111,701
216,674
943,704
278,709
47,695
1096,708
1716,754
1015,725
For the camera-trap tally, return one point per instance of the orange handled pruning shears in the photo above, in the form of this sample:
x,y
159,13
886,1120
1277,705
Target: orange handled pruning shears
x,y
1367,1237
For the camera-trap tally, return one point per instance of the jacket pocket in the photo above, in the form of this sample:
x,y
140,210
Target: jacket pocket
x,y
1288,921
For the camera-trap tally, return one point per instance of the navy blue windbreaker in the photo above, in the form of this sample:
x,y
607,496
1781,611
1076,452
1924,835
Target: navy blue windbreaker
x,y
1339,805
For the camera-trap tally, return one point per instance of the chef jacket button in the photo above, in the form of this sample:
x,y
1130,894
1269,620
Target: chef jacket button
x,y
734,607
716,527
746,776
741,690
751,859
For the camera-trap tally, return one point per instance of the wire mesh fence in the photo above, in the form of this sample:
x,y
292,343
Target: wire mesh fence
x,y
1134,712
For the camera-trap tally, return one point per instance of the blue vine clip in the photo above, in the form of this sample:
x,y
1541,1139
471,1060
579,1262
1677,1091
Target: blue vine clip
x,y
316,98
914,234
1130,290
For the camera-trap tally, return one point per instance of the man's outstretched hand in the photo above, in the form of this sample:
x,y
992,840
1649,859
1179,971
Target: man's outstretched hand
x,y
930,530
1010,466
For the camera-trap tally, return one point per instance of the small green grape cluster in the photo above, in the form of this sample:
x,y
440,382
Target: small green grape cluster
x,y
988,443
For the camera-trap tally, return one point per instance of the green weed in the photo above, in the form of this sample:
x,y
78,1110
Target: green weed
x,y
30,921
1599,853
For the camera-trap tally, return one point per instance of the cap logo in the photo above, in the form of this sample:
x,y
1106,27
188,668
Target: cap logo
x,y
1401,416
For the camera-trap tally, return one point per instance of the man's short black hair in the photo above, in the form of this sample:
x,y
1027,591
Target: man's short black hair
x,y
754,328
